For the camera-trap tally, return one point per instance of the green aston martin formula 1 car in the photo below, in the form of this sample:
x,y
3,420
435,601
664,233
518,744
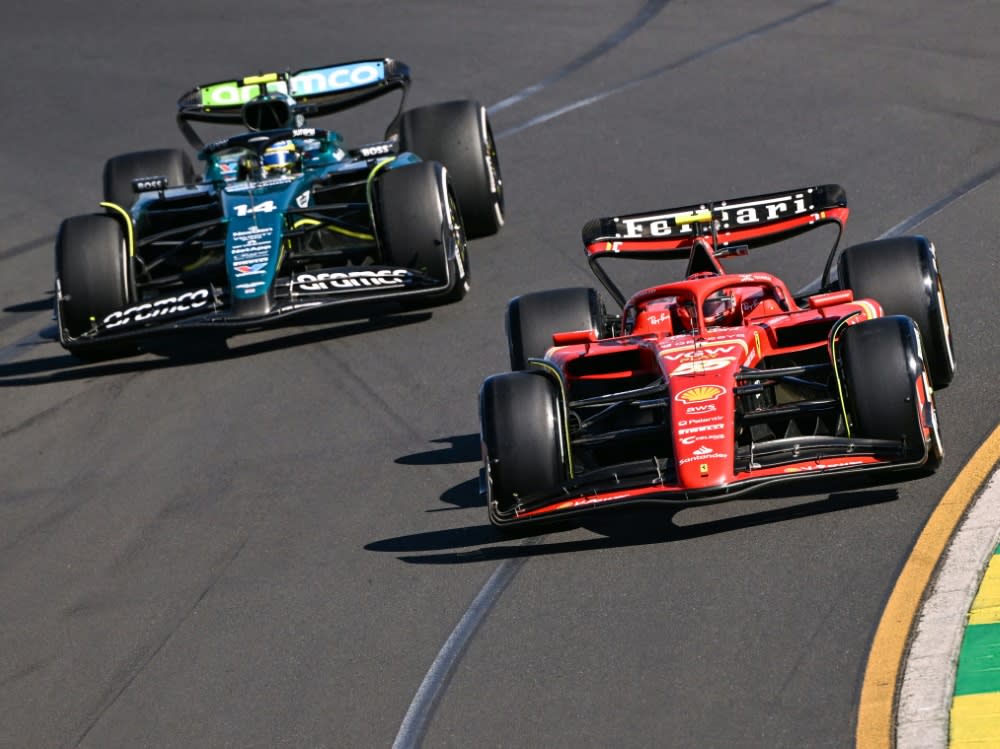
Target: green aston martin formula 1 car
x,y
283,217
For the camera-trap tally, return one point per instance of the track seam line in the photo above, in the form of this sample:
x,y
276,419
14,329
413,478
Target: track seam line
x,y
163,643
694,56
640,19
414,725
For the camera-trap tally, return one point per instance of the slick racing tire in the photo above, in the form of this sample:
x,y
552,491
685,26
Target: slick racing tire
x,y
93,278
420,226
885,379
119,172
533,318
458,134
902,275
522,433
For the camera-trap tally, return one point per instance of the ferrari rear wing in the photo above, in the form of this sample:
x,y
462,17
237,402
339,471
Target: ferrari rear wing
x,y
316,91
753,221
728,227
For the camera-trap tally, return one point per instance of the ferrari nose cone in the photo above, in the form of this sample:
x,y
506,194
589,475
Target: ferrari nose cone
x,y
703,431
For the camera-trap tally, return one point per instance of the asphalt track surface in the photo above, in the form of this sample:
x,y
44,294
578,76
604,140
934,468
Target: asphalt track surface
x,y
270,545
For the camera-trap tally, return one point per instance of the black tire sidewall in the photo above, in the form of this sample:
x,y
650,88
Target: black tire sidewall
x,y
882,367
412,220
522,435
119,171
93,271
453,133
901,274
532,318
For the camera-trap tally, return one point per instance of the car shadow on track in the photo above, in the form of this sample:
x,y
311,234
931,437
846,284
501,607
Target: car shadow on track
x,y
458,448
192,348
613,528
37,305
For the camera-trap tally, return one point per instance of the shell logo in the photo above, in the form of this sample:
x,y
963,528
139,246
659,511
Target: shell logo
x,y
700,393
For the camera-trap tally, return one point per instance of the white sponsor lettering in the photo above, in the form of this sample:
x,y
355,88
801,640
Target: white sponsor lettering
x,y
351,280
655,226
705,428
701,420
700,367
701,438
233,93
378,149
702,409
665,224
684,461
335,79
186,302
144,184
708,352
266,207
254,185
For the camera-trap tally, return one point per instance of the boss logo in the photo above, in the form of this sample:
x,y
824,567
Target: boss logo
x,y
147,184
378,149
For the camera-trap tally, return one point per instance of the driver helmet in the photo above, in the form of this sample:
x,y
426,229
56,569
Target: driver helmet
x,y
279,158
720,309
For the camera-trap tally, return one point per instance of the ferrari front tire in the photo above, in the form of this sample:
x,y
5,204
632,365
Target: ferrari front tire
x,y
523,447
458,134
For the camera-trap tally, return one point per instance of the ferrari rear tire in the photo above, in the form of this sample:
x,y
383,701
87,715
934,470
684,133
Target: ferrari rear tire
x,y
420,226
533,318
885,378
119,171
902,275
522,433
458,134
93,278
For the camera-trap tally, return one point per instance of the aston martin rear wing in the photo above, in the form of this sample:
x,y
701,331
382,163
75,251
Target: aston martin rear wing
x,y
729,227
316,91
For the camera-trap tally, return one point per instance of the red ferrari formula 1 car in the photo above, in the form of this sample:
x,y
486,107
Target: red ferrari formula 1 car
x,y
719,383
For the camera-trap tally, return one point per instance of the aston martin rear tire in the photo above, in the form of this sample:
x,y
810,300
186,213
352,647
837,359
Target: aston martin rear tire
x,y
458,134
533,318
522,432
119,171
902,275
